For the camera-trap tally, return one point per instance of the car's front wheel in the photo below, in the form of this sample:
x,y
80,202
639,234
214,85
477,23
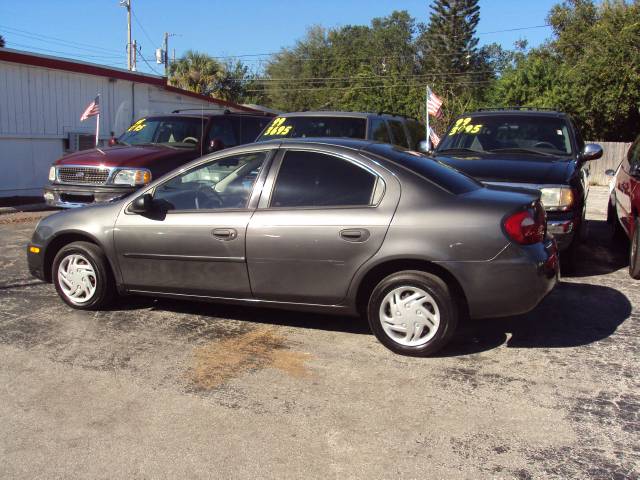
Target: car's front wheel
x,y
634,257
412,313
82,276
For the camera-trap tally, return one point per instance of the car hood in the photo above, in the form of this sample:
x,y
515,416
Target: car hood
x,y
125,156
511,168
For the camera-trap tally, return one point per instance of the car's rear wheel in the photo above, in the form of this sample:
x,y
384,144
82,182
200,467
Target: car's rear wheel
x,y
412,313
82,276
634,258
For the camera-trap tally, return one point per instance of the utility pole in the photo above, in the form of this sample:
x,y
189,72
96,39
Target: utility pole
x,y
166,54
130,62
134,57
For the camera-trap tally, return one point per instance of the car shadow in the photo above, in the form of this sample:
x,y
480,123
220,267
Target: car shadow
x,y
600,253
574,314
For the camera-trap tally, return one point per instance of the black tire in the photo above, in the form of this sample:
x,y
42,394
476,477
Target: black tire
x,y
634,256
104,283
440,293
618,234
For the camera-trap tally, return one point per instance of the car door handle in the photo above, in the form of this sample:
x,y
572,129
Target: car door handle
x,y
224,234
355,234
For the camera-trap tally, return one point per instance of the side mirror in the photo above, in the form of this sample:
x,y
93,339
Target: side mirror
x,y
591,151
142,204
423,147
215,145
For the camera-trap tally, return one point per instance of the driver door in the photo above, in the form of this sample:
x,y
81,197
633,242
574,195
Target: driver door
x,y
193,241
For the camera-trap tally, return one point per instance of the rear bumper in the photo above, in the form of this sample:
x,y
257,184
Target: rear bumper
x,y
72,196
513,283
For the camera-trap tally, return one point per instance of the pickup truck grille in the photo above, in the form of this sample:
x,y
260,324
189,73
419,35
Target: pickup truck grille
x,y
83,175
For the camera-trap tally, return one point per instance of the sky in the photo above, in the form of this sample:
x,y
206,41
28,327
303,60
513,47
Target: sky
x,y
95,30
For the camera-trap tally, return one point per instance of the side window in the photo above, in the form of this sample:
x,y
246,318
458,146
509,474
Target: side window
x,y
633,156
224,183
309,179
250,128
379,131
399,136
222,130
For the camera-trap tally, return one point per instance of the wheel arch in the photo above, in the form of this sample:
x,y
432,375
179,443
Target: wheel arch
x,y
61,240
377,272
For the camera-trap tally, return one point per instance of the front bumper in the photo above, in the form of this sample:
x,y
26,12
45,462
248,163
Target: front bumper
x,y
513,283
35,261
72,196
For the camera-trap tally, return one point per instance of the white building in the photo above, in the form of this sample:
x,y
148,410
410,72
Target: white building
x,y
42,98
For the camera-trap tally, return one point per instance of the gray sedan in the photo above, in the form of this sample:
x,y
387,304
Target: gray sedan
x,y
325,225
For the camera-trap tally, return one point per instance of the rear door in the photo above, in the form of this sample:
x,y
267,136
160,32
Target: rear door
x,y
627,188
321,216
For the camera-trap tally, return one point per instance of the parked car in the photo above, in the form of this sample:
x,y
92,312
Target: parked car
x,y
382,127
624,204
339,226
151,147
528,148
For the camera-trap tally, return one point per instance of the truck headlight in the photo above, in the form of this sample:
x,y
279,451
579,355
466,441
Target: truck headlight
x,y
52,174
132,176
557,198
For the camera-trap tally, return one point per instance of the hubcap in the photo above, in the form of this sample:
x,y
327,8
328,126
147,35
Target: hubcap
x,y
77,279
409,316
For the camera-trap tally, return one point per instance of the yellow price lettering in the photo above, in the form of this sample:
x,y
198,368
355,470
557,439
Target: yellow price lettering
x,y
465,125
277,127
136,127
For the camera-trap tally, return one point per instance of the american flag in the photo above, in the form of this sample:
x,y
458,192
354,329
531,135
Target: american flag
x,y
92,110
434,104
433,136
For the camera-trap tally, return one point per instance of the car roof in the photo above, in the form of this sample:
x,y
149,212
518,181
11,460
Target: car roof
x,y
209,115
516,112
352,143
329,113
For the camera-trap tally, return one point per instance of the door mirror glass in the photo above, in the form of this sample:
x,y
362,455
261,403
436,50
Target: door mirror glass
x,y
591,151
142,204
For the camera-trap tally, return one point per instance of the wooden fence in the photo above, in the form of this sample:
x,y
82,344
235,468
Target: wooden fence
x,y
614,152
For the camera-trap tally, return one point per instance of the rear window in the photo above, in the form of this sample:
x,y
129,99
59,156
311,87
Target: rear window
x,y
301,127
443,175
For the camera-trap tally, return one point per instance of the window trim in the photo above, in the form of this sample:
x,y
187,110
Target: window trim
x,y
377,194
254,197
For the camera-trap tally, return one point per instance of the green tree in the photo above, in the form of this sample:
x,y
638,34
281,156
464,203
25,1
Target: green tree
x,y
201,73
589,69
450,59
196,72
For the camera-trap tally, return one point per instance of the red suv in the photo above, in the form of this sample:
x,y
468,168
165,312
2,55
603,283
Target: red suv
x,y
149,148
624,204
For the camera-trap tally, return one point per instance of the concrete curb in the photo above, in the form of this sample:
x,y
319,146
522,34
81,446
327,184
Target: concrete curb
x,y
32,207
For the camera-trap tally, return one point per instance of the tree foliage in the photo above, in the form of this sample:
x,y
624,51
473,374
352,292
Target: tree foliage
x,y
201,73
589,69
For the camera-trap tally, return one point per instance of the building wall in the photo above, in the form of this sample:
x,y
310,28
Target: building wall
x,y
40,106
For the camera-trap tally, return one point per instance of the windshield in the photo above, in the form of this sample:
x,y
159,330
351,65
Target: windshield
x,y
300,127
182,132
496,133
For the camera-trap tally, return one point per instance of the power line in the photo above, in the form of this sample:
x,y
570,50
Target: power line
x,y
135,17
369,87
33,47
47,38
148,64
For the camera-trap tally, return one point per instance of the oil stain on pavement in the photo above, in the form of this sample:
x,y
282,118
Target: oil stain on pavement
x,y
217,362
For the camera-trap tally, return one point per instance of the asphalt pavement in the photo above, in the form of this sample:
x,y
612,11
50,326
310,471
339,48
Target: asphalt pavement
x,y
167,389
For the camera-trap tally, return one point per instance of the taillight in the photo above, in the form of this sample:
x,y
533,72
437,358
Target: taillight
x,y
526,226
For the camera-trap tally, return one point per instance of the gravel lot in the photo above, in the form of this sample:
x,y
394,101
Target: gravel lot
x,y
159,388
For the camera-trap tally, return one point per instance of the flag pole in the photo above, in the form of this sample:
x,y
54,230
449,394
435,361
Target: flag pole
x,y
98,123
428,129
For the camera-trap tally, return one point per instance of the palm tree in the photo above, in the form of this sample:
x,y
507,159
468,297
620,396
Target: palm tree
x,y
197,72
